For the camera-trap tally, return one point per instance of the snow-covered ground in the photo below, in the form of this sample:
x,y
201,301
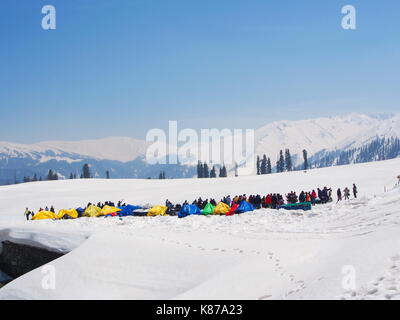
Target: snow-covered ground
x,y
266,254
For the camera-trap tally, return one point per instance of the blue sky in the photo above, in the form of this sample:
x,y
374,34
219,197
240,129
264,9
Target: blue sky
x,y
125,66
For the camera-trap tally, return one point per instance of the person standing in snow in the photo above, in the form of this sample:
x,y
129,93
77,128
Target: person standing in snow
x,y
268,201
313,197
346,193
27,214
355,191
339,195
325,196
302,197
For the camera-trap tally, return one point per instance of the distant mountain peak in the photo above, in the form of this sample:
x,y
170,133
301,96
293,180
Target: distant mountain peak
x,y
126,155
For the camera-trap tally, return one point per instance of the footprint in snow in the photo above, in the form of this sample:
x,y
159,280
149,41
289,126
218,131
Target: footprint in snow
x,y
396,258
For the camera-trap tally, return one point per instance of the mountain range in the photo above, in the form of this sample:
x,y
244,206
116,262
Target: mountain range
x,y
124,157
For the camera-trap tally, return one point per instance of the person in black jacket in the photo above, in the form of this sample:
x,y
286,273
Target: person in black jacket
x,y
355,191
339,195
27,213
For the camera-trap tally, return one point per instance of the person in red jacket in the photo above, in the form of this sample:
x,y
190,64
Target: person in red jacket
x,y
313,197
268,201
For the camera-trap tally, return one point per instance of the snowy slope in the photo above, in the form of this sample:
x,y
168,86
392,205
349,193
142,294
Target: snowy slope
x,y
266,254
13,150
388,128
314,135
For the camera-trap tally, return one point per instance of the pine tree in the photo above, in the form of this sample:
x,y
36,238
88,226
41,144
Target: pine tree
x,y
288,160
71,176
35,177
222,172
258,166
213,172
200,170
269,166
264,165
206,173
50,175
108,174
86,171
305,157
280,165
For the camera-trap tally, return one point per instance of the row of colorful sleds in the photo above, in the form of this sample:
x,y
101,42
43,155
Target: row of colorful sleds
x,y
91,211
220,209
306,206
131,210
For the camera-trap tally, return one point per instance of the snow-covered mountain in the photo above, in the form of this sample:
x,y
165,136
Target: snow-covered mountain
x,y
316,135
122,157
125,157
121,149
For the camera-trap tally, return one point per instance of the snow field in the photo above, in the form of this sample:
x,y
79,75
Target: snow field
x,y
266,254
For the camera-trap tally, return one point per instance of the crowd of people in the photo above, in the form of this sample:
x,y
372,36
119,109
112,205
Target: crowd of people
x,y
269,201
